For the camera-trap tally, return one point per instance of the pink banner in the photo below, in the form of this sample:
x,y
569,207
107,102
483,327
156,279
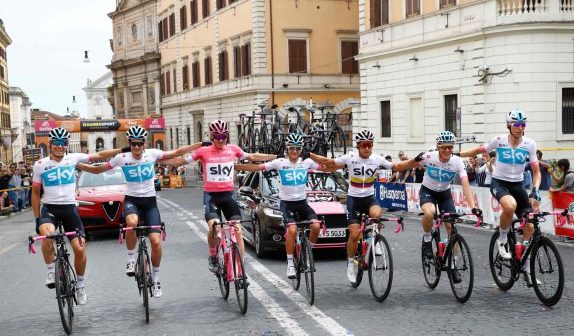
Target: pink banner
x,y
155,124
44,125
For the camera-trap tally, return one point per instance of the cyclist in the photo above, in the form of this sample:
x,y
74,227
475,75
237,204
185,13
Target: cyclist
x,y
441,166
293,172
512,150
56,175
138,168
218,161
362,166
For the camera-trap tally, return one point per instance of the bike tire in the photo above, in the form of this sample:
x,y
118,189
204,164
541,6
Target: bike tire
x,y
308,267
239,278
64,294
297,261
359,264
464,266
222,273
264,144
337,140
380,268
144,282
503,271
541,250
431,267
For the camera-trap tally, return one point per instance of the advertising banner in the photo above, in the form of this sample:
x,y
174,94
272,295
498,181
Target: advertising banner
x,y
560,201
155,124
391,195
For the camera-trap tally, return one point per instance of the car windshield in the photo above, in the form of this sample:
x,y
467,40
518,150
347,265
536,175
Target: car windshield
x,y
316,181
110,177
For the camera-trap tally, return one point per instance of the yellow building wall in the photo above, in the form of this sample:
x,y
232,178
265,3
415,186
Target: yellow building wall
x,y
429,7
397,10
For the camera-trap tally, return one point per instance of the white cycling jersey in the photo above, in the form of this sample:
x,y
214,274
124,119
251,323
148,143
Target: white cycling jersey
x,y
510,161
293,177
362,172
139,174
58,178
438,175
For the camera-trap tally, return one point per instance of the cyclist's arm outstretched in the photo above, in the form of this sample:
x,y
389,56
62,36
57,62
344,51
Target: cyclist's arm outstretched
x,y
93,169
408,164
257,157
329,164
105,154
250,167
174,162
181,151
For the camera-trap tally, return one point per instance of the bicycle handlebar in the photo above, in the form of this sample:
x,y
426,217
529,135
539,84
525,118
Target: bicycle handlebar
x,y
442,216
123,230
563,215
229,222
367,220
311,221
33,239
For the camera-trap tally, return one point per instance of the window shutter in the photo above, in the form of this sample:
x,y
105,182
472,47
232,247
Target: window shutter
x,y
160,31
246,58
185,77
297,56
236,61
182,18
165,29
162,85
171,24
167,83
193,10
174,81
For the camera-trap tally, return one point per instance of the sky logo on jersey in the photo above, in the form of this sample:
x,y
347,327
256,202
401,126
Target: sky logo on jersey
x,y
293,177
364,171
59,176
224,170
139,173
438,174
509,156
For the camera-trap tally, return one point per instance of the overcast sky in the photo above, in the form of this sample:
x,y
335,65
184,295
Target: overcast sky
x,y
46,56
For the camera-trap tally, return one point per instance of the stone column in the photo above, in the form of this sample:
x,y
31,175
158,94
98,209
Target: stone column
x,y
157,97
144,99
126,108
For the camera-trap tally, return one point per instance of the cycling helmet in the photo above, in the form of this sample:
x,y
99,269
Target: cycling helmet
x,y
294,139
516,115
58,133
445,137
364,135
218,126
136,133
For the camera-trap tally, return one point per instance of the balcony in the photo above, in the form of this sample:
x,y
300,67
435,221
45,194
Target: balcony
x,y
519,7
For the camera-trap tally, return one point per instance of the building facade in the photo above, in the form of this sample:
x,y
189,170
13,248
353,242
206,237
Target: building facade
x,y
221,58
462,65
5,124
38,115
21,123
99,108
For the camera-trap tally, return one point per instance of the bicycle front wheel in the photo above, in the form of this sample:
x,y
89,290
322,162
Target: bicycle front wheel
x,y
547,271
144,281
309,269
380,268
431,267
503,271
460,269
337,141
222,273
358,265
240,278
64,294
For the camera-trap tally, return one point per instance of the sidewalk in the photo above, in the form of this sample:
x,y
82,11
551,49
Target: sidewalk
x,y
15,214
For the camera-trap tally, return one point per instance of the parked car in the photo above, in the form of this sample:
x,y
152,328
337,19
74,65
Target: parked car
x,y
258,199
100,199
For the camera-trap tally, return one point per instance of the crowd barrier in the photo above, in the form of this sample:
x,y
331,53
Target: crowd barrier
x,y
405,197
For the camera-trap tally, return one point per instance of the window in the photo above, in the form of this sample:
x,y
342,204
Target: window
x,y
160,31
297,56
349,49
413,7
165,29
171,24
188,135
446,3
568,110
219,4
174,81
193,10
171,137
162,84
185,77
451,122
236,61
205,8
379,13
167,83
415,121
386,119
223,66
182,18
177,137
195,74
246,59
207,69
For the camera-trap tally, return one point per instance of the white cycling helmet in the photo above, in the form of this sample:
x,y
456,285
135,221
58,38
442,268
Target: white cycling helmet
x,y
364,135
58,133
294,139
445,138
516,115
136,132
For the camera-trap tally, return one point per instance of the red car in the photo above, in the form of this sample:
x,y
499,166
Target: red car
x,y
100,199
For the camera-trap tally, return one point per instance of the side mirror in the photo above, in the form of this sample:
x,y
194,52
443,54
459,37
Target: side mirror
x,y
248,191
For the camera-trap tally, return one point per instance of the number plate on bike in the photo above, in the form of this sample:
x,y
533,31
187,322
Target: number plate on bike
x,y
333,233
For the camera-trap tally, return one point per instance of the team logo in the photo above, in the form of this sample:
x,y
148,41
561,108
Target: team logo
x,y
512,156
139,173
293,177
440,175
219,172
59,176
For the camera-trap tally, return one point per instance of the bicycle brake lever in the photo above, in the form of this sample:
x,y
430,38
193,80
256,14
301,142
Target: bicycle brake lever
x,y
31,248
399,226
478,222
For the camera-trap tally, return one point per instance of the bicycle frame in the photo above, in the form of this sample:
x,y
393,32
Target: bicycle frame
x,y
376,226
440,219
227,239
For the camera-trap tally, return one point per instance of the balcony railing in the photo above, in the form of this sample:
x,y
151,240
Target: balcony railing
x,y
513,7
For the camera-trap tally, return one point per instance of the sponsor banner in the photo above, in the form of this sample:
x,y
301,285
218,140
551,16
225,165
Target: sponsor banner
x,y
155,124
44,126
391,195
99,125
31,155
560,201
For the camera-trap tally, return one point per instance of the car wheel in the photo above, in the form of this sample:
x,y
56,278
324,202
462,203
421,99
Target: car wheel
x,y
258,240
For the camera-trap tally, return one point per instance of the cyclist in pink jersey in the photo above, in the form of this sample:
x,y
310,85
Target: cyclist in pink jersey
x,y
218,162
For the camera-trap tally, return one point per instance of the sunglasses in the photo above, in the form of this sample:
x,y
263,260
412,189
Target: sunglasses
x,y
219,136
445,147
294,148
60,143
366,145
519,124
136,144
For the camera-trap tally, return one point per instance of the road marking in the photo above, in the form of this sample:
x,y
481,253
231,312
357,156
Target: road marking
x,y
324,321
6,249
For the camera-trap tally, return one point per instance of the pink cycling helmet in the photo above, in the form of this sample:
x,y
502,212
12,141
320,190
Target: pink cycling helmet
x,y
218,126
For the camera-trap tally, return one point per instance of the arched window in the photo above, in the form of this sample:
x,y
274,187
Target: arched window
x,y
99,144
159,144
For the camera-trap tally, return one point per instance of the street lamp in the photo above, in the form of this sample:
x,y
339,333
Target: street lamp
x,y
86,58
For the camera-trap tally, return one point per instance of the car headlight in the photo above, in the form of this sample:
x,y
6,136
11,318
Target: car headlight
x,y
272,213
84,203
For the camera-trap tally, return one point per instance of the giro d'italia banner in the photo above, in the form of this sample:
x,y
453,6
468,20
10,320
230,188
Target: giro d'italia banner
x,y
391,195
564,200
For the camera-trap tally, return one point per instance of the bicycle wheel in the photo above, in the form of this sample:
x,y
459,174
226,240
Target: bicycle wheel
x,y
502,270
240,279
222,273
431,267
460,261
358,265
298,267
64,294
308,269
547,271
276,140
380,268
263,143
337,141
143,267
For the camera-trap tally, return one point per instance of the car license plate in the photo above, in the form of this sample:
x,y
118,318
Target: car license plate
x,y
333,233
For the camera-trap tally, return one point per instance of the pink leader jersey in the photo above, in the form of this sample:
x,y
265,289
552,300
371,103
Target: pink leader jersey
x,y
218,166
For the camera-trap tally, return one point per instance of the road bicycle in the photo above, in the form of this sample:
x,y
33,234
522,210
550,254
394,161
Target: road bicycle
x,y
328,135
546,269
374,254
65,276
230,263
303,258
270,131
249,133
452,256
300,125
143,265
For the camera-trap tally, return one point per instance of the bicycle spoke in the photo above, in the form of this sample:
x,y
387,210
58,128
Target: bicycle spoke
x,y
503,271
460,268
380,268
547,272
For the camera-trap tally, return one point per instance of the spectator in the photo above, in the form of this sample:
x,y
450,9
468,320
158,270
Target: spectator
x,y
527,182
5,204
4,178
544,172
26,183
568,184
471,169
406,176
15,183
481,173
487,168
